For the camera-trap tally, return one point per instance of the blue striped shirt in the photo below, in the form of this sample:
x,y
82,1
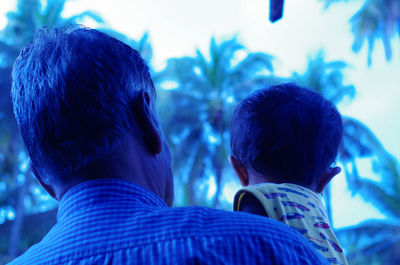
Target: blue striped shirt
x,y
108,221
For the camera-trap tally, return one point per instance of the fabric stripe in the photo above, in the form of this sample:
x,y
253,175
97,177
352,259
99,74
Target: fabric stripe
x,y
115,222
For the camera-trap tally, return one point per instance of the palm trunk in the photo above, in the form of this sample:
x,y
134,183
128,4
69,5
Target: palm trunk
x,y
218,178
16,227
191,200
193,175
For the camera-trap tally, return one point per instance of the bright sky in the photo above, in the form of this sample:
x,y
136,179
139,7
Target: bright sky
x,y
177,27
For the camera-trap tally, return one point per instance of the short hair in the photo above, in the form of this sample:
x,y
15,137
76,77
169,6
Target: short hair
x,y
287,132
72,96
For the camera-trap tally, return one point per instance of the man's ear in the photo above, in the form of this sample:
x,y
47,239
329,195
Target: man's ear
x,y
143,114
240,171
327,176
48,188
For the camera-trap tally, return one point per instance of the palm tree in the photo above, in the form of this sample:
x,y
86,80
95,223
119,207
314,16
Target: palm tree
x,y
325,78
375,20
359,141
205,93
367,242
377,240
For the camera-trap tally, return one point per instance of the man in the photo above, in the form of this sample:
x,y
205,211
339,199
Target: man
x,y
85,106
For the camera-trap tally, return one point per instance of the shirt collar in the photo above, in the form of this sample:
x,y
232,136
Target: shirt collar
x,y
99,191
310,191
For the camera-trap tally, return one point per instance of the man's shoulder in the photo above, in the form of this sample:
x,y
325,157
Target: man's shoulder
x,y
254,235
199,231
206,221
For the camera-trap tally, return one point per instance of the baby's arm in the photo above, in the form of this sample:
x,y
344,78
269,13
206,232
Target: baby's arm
x,y
252,205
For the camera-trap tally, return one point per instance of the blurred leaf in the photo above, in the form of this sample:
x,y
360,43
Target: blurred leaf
x,y
371,242
375,20
86,14
326,78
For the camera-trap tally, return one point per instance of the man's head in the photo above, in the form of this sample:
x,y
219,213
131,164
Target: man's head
x,y
80,97
286,133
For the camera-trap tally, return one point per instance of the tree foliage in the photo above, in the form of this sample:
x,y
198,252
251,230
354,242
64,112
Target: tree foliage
x,y
196,97
368,242
207,89
375,20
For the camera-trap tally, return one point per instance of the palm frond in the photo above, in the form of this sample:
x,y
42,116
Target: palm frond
x,y
86,14
328,3
204,67
206,91
375,20
336,65
253,63
325,78
378,194
369,240
182,71
52,12
360,142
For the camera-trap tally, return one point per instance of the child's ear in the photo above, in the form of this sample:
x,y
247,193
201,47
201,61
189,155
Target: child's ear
x,y
327,176
240,171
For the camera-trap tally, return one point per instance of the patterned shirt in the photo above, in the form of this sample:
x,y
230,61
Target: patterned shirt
x,y
300,208
108,221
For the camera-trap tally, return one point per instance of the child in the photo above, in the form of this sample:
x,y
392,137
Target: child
x,y
284,141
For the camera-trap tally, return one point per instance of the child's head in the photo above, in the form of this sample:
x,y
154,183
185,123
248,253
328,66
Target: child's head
x,y
286,134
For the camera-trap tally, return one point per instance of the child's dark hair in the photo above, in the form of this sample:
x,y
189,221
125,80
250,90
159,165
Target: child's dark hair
x,y
287,132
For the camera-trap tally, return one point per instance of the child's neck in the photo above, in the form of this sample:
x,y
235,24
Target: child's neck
x,y
258,179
